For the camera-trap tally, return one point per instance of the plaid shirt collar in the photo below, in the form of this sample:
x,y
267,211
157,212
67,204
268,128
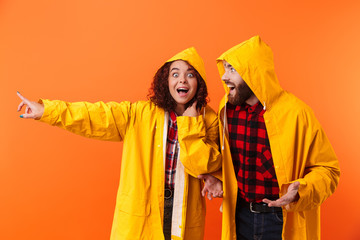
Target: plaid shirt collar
x,y
173,117
257,108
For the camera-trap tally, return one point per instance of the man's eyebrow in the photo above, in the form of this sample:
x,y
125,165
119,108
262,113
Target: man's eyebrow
x,y
228,65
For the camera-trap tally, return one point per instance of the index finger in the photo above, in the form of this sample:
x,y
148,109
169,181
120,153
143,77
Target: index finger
x,y
276,203
23,98
204,191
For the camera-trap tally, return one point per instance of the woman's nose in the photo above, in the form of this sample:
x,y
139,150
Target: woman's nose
x,y
183,79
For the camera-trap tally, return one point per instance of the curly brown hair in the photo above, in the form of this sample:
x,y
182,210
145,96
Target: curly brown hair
x,y
160,95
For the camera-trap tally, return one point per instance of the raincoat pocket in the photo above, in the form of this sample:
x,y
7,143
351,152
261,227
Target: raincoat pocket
x,y
133,205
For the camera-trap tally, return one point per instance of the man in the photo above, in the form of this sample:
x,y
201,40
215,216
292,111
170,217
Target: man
x,y
278,165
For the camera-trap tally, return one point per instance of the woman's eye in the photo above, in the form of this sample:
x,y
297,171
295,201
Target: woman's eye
x,y
175,75
190,75
232,70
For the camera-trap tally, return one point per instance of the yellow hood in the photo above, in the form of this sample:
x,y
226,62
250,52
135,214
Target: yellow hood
x,y
193,58
253,60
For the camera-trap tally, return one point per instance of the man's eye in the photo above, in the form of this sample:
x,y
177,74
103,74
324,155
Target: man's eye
x,y
175,75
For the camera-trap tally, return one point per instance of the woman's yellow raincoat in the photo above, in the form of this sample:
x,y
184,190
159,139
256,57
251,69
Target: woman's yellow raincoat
x,y
300,149
142,126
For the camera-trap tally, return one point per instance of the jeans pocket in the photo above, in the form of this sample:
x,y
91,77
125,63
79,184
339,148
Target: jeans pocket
x,y
278,216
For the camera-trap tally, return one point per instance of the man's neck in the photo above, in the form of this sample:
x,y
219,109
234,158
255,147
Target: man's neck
x,y
252,100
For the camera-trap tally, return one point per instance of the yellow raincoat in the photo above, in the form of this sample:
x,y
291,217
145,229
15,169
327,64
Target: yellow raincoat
x,y
300,149
143,128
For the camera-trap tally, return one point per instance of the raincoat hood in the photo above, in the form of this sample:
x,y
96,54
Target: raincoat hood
x,y
253,60
193,58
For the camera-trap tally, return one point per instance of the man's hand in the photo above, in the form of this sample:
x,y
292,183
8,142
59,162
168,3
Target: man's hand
x,y
212,187
291,196
33,110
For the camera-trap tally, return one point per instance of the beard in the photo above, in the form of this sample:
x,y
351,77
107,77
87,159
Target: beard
x,y
242,93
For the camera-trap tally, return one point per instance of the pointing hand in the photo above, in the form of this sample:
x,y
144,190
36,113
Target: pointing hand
x,y
33,110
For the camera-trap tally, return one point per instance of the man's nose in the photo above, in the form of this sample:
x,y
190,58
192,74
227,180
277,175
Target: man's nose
x,y
224,77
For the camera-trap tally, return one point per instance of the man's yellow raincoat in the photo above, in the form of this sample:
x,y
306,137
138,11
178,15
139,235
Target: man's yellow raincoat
x,y
142,126
300,149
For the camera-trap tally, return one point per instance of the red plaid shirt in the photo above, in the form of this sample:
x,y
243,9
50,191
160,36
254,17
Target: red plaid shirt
x,y
251,153
172,149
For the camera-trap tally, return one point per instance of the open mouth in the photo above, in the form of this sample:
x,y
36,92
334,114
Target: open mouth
x,y
231,87
182,90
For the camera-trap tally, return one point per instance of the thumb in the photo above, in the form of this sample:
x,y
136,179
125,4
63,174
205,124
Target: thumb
x,y
296,185
193,105
27,115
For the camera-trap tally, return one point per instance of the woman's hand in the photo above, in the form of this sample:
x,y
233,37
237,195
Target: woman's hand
x,y
192,111
212,186
33,110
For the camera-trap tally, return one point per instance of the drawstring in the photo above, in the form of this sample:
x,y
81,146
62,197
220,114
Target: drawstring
x,y
223,140
264,106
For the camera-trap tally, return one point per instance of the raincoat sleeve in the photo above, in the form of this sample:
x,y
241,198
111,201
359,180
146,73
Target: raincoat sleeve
x,y
199,143
321,172
104,121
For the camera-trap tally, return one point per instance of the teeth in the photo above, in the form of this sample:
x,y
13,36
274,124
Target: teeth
x,y
230,86
182,90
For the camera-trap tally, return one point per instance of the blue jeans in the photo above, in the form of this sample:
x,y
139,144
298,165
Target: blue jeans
x,y
259,226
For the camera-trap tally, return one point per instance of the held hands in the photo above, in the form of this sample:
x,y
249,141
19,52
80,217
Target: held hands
x,y
192,111
33,110
291,196
212,186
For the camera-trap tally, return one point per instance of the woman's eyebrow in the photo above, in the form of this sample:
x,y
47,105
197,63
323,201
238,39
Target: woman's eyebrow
x,y
174,69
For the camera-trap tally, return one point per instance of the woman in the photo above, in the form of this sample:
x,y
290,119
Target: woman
x,y
168,141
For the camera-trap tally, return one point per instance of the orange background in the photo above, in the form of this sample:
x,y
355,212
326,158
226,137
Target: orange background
x,y
56,185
